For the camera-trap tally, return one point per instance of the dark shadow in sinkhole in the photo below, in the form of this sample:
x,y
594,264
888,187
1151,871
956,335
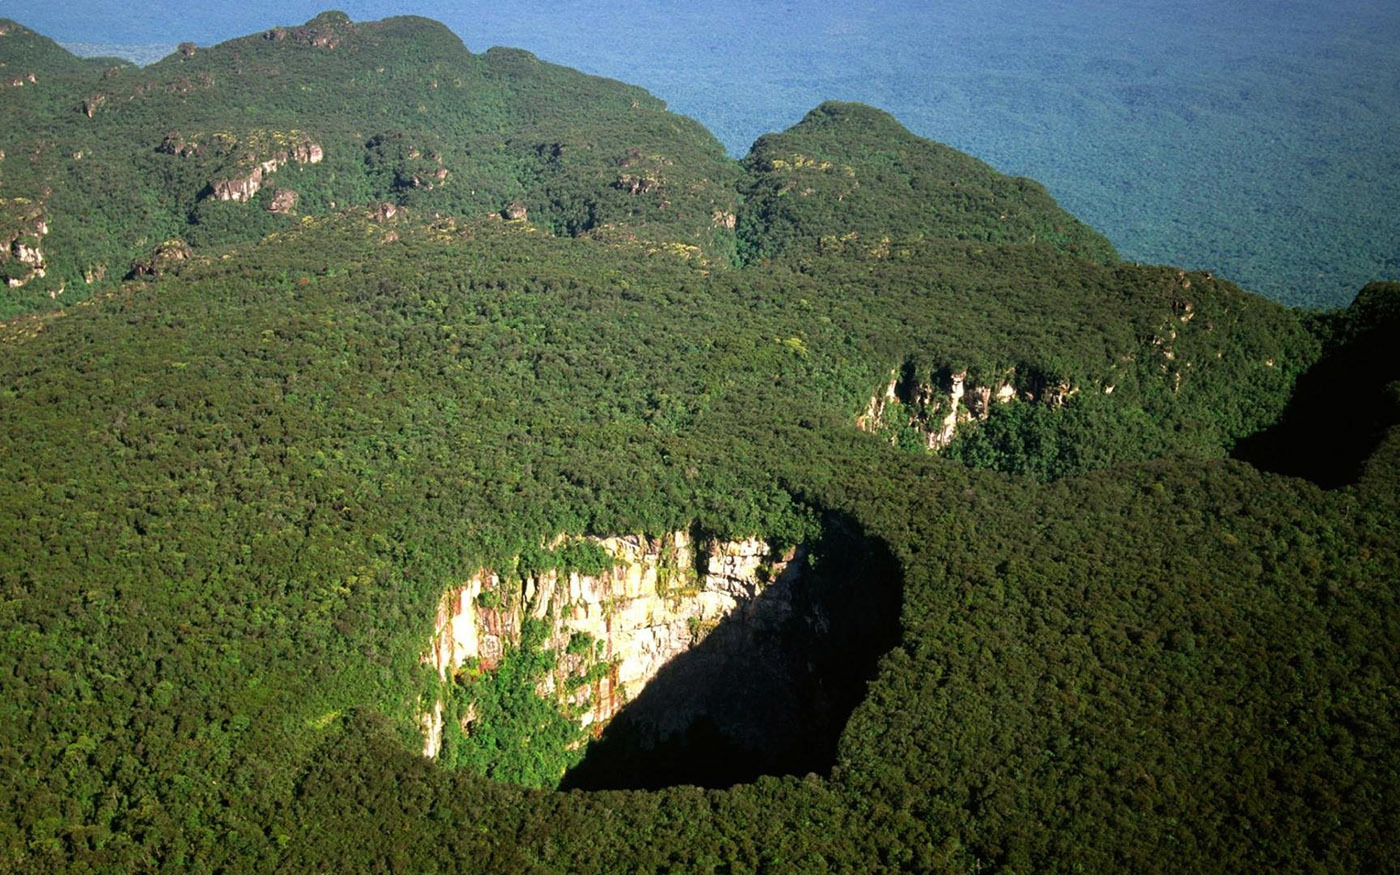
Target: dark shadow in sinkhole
x,y
1343,406
767,691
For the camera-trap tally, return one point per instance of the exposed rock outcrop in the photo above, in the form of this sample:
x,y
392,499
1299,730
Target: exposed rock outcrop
x,y
307,152
21,239
326,31
161,260
242,187
174,144
643,173
655,603
936,406
26,254
874,416
283,201
633,184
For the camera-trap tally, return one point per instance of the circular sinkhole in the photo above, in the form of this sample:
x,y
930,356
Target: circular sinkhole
x,y
642,663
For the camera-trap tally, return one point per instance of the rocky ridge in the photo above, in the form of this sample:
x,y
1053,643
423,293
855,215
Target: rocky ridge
x,y
242,187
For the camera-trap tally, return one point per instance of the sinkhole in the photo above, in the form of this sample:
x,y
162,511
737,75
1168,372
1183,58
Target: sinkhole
x,y
684,659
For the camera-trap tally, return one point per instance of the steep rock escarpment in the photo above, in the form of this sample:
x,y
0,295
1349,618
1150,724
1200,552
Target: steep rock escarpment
x,y
696,661
161,260
23,226
240,165
655,602
242,187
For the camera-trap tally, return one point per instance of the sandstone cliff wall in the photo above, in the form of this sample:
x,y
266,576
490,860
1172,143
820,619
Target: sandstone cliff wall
x,y
617,629
940,404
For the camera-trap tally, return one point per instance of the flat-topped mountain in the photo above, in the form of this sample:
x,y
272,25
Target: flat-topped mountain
x,y
395,111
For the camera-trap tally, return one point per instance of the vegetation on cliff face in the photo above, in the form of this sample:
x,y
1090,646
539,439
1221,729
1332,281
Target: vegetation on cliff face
x,y
510,732
233,491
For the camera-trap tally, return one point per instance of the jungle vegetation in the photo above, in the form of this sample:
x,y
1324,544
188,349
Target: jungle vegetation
x,y
1137,631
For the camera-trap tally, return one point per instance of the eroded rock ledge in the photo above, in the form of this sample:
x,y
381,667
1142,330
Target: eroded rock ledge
x,y
23,226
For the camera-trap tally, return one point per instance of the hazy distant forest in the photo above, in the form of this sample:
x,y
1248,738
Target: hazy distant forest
x,y
1259,140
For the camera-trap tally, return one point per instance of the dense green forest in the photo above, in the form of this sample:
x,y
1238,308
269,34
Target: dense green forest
x,y
1203,135
1139,625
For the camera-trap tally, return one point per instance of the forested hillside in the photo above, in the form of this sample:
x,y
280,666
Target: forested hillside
x,y
230,143
848,171
1123,617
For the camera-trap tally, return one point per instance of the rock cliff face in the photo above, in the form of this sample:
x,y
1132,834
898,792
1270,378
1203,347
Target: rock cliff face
x,y
242,188
616,629
937,405
326,31
23,227
247,160
163,259
283,201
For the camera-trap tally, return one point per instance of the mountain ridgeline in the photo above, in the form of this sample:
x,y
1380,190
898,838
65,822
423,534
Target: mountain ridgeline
x,y
851,172
409,455
222,145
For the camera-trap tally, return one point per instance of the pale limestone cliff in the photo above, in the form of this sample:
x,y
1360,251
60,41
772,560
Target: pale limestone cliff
x,y
939,406
432,724
655,603
21,242
307,152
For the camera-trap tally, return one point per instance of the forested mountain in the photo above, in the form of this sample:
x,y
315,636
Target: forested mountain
x,y
848,171
1071,563
230,143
